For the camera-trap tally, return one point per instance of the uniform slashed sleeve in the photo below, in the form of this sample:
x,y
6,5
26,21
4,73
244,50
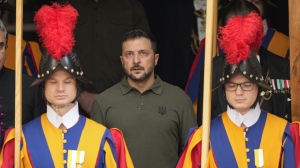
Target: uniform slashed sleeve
x,y
295,133
191,154
7,151
122,154
288,148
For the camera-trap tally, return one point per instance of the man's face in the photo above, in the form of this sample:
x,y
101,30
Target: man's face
x,y
60,88
2,49
259,5
138,59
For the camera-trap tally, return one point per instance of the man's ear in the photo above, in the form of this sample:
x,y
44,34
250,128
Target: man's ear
x,y
156,57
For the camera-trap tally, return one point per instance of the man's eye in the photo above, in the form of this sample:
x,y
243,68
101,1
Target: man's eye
x,y
128,55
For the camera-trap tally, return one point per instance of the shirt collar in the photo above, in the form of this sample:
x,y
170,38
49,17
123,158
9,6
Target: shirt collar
x,y
69,119
249,119
157,86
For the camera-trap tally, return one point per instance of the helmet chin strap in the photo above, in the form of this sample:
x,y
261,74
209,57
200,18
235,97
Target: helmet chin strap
x,y
57,108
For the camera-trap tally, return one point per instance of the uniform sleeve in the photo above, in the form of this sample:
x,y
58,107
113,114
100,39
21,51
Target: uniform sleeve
x,y
109,160
97,113
187,121
7,151
295,132
191,154
123,156
288,148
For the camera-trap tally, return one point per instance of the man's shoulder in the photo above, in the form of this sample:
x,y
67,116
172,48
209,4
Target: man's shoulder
x,y
170,89
25,78
114,88
111,91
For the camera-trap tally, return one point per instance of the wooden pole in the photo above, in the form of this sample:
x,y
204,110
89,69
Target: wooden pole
x,y
215,30
211,6
294,35
18,82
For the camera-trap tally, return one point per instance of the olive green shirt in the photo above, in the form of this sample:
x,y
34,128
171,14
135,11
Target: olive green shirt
x,y
155,123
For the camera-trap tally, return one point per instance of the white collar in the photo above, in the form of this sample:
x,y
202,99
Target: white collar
x,y
69,119
249,119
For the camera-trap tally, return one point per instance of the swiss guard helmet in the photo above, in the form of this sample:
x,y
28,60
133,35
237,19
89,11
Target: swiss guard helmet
x,y
240,39
55,25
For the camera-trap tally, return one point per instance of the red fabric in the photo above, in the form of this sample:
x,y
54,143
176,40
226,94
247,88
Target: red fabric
x,y
196,154
241,35
8,152
182,156
295,132
55,25
120,147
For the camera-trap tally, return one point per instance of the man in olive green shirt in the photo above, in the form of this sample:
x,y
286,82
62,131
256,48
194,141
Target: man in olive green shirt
x,y
153,115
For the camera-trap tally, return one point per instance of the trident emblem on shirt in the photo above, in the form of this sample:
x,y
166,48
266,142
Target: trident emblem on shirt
x,y
162,110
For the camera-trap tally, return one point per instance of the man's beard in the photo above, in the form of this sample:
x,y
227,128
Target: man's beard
x,y
144,77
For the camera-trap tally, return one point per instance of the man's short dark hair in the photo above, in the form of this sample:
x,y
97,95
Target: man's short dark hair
x,y
138,33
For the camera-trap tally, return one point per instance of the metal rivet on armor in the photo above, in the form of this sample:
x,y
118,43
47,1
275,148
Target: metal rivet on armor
x,y
53,68
223,79
47,72
227,76
251,76
42,75
72,70
39,76
66,67
77,72
220,79
81,73
256,78
244,72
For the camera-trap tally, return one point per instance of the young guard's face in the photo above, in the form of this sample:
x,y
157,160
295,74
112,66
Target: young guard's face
x,y
60,88
239,99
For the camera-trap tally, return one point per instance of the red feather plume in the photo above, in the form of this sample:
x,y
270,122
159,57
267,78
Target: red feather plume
x,y
55,26
240,36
